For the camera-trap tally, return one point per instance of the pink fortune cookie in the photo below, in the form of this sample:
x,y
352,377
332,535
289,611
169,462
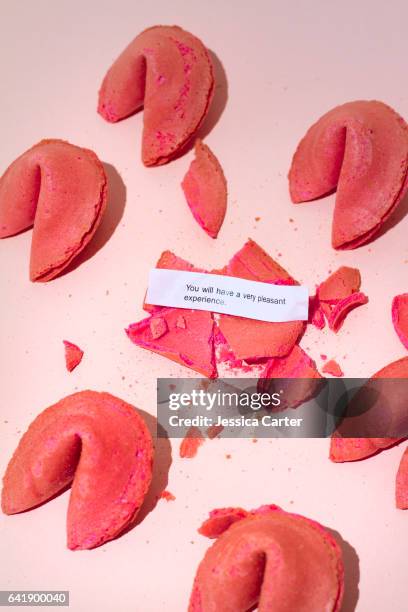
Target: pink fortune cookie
x,y
205,189
269,559
98,443
61,190
401,489
353,449
191,346
73,355
400,317
168,71
248,338
360,148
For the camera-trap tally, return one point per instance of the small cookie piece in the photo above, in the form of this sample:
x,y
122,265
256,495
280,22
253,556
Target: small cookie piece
x,y
399,311
337,296
73,355
248,338
205,189
333,368
191,443
191,346
296,365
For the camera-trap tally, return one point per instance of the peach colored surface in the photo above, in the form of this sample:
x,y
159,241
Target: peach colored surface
x,y
286,65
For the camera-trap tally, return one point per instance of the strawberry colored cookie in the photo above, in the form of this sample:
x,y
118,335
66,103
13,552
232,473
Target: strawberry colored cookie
x,y
169,73
360,149
205,189
268,559
98,443
61,190
390,410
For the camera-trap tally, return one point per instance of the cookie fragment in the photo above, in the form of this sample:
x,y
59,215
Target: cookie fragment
x,y
169,73
297,365
336,297
269,559
158,327
205,189
169,261
339,285
167,495
74,441
340,310
181,322
220,520
61,190
191,346
248,338
191,443
333,368
360,148
399,311
73,355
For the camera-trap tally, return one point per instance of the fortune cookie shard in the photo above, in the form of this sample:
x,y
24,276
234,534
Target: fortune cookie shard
x,y
337,296
61,190
400,317
296,365
98,443
268,559
248,338
169,73
73,355
205,189
360,149
191,346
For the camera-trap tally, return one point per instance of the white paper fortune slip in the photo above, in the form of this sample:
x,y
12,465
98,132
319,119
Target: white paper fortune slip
x,y
228,295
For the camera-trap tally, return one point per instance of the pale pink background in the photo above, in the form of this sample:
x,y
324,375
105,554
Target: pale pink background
x,y
286,64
